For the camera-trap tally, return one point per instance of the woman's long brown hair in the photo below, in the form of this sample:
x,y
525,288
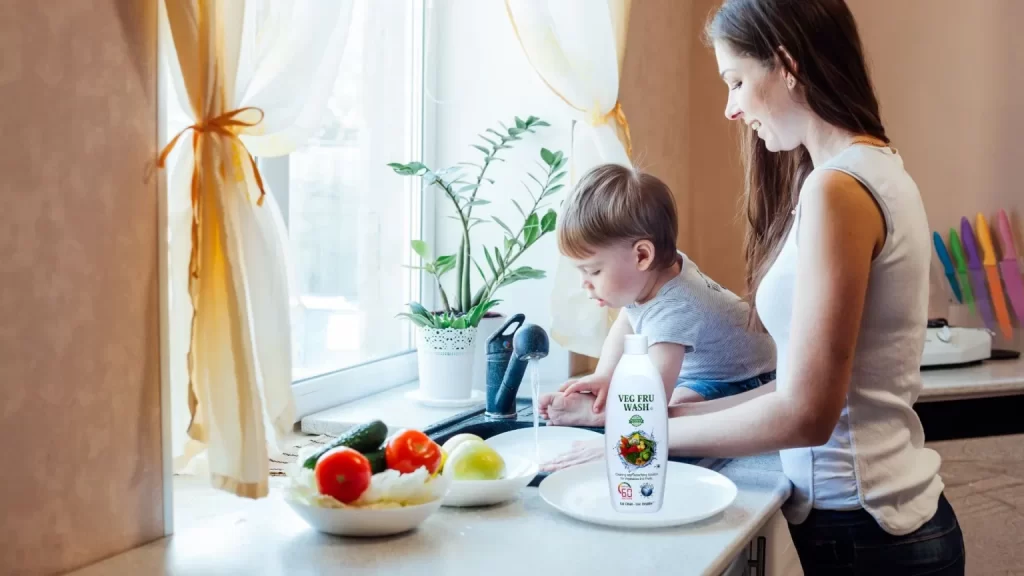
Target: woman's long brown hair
x,y
821,38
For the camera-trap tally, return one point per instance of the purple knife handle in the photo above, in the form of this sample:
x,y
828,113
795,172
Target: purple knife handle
x,y
981,299
970,244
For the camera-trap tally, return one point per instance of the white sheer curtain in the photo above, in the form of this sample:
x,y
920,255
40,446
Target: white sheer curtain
x,y
252,77
577,47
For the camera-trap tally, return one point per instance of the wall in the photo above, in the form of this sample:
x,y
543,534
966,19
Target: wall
x,y
80,387
949,75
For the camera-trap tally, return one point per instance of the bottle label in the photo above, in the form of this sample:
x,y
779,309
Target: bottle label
x,y
637,451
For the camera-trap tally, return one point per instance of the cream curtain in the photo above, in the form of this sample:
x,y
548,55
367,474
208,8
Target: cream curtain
x,y
577,47
252,77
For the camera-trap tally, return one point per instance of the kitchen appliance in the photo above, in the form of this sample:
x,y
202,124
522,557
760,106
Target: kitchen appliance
x,y
947,347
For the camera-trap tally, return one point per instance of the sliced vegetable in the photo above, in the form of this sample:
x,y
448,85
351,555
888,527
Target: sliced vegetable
x,y
364,438
409,450
344,474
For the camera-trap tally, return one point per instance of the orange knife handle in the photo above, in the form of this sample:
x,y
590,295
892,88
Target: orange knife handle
x,y
985,239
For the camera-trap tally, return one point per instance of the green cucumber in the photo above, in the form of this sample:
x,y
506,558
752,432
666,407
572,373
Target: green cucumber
x,y
365,438
378,461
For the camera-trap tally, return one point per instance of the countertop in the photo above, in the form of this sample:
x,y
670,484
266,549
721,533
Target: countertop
x,y
988,379
522,536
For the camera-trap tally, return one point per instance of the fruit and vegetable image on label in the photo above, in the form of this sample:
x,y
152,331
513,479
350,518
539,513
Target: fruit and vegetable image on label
x,y
637,449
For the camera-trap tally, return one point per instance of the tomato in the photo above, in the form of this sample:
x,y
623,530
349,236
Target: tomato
x,y
408,450
343,473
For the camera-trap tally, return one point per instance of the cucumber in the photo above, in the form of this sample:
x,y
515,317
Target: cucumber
x,y
365,438
378,461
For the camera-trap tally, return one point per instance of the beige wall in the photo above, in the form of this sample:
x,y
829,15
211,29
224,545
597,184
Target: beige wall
x,y
674,100
79,386
949,75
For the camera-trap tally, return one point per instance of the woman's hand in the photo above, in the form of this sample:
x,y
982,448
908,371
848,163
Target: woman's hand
x,y
581,453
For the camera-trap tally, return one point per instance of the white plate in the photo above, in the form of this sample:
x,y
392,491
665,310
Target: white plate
x,y
476,397
692,493
554,441
518,473
364,522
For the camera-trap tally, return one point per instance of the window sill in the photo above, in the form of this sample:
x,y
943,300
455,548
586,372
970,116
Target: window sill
x,y
394,409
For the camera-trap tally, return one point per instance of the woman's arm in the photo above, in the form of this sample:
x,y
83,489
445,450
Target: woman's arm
x,y
840,229
709,406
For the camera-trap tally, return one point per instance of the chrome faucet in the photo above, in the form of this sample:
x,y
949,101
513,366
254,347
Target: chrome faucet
x,y
505,368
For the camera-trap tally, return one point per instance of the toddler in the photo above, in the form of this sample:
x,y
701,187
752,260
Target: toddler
x,y
620,231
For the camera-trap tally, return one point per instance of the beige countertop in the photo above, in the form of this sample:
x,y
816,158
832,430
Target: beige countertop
x,y
525,536
988,379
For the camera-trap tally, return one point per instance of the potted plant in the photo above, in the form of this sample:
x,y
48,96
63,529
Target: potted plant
x,y
447,337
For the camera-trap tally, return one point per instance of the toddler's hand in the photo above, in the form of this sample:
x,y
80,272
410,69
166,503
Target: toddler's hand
x,y
573,410
595,384
543,402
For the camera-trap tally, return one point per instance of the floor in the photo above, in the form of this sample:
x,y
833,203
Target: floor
x,y
984,480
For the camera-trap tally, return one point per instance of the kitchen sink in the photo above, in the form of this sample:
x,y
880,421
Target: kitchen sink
x,y
475,422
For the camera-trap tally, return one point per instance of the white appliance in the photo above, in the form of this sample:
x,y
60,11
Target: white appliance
x,y
952,346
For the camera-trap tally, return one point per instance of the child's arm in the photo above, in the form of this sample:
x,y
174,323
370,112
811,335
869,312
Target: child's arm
x,y
597,383
611,351
668,359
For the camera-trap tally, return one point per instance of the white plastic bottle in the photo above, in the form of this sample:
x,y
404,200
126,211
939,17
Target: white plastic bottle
x,y
636,431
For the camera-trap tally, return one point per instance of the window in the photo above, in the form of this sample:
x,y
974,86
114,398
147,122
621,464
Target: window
x,y
350,218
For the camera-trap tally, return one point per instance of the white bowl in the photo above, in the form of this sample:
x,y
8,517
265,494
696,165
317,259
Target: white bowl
x,y
518,474
364,521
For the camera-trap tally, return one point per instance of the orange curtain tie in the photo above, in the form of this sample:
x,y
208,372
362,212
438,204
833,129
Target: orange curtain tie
x,y
619,115
223,125
226,125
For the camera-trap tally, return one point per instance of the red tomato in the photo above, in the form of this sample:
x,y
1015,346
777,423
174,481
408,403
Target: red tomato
x,y
343,473
408,450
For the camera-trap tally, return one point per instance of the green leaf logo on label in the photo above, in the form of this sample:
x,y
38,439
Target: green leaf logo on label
x,y
636,420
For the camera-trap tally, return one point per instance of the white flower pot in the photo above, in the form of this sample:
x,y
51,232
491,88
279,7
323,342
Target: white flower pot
x,y
446,357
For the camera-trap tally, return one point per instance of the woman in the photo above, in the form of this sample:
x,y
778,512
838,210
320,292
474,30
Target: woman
x,y
837,259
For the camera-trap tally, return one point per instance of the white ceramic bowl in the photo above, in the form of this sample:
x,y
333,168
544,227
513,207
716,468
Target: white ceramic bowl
x,y
364,521
518,474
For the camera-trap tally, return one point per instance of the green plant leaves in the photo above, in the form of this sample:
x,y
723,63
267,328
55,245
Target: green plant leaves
x,y
547,223
522,273
461,185
505,226
547,156
531,229
410,169
420,248
490,262
444,265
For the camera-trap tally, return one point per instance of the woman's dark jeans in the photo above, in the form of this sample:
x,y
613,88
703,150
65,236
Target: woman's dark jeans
x,y
851,543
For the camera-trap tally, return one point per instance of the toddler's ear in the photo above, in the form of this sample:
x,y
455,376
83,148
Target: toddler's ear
x,y
643,254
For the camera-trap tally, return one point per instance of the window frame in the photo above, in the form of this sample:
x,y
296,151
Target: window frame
x,y
332,389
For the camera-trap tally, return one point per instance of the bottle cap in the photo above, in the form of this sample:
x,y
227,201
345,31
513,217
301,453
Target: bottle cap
x,y
635,344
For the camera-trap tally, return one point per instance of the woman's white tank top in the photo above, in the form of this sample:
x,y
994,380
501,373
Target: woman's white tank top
x,y
875,458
